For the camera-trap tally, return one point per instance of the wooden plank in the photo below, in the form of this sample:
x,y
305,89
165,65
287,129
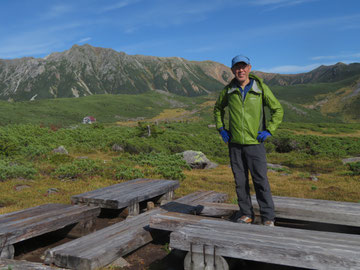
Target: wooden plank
x,y
277,245
19,226
104,246
172,221
24,265
123,194
332,212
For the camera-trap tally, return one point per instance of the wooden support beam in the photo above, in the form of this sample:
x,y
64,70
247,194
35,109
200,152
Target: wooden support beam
x,y
24,265
104,246
7,252
276,245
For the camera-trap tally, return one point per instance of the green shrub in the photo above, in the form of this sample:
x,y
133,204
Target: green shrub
x,y
171,172
10,169
354,168
127,173
79,168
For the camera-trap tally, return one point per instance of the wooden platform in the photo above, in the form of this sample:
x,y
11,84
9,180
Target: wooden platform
x,y
31,222
127,193
331,212
7,264
276,245
104,246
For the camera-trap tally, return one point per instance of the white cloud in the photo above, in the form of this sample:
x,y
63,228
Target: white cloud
x,y
84,40
276,4
58,11
119,5
290,69
340,56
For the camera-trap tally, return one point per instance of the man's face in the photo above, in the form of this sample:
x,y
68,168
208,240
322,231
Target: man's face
x,y
241,71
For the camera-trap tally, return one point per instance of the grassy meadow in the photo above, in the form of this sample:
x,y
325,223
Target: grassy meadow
x,y
32,174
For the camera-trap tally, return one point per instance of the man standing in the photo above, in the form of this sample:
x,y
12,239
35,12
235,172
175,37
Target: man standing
x,y
246,96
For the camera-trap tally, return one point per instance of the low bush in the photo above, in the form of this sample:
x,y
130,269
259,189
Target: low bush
x,y
11,169
79,168
354,168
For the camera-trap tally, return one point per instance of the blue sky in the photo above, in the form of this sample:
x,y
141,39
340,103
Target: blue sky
x,y
283,36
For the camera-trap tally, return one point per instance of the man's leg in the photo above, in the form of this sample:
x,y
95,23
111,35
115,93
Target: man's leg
x,y
256,160
241,175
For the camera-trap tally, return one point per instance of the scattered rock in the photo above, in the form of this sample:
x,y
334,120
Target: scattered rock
x,y
275,166
121,262
117,148
313,178
21,187
350,160
197,160
61,150
52,191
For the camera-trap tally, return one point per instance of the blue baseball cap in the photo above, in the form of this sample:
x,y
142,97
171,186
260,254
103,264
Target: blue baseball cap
x,y
240,58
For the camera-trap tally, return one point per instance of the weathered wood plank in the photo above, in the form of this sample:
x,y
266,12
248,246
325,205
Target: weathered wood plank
x,y
24,265
172,221
332,212
104,246
19,226
279,245
121,195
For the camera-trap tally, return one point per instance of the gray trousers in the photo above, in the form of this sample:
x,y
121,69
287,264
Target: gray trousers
x,y
245,158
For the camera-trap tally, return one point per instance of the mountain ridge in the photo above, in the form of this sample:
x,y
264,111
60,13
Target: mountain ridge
x,y
86,70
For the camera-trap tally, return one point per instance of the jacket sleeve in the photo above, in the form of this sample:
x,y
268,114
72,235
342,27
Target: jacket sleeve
x,y
219,109
276,110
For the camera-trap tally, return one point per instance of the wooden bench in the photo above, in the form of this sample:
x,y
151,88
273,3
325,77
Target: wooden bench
x,y
104,246
323,211
128,194
6,264
207,239
21,225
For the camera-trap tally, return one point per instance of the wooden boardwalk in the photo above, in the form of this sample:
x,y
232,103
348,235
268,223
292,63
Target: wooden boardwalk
x,y
104,246
7,264
28,223
127,193
276,245
323,211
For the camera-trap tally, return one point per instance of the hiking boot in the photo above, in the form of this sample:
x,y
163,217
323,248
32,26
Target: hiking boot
x,y
269,223
244,220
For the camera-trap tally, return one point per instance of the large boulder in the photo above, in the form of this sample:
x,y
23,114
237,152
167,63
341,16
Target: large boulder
x,y
197,160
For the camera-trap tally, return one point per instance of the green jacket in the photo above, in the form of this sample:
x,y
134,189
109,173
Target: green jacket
x,y
246,116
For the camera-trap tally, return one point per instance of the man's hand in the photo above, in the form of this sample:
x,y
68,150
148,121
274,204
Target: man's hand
x,y
263,135
224,134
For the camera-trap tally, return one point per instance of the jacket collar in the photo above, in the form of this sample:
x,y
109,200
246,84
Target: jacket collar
x,y
233,86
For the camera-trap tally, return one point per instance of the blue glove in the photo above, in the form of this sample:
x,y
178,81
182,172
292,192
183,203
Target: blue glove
x,y
224,134
263,135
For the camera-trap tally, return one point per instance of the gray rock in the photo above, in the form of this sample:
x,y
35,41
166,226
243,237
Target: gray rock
x,y
211,126
313,178
197,160
52,191
61,150
120,262
117,148
275,166
350,160
21,187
